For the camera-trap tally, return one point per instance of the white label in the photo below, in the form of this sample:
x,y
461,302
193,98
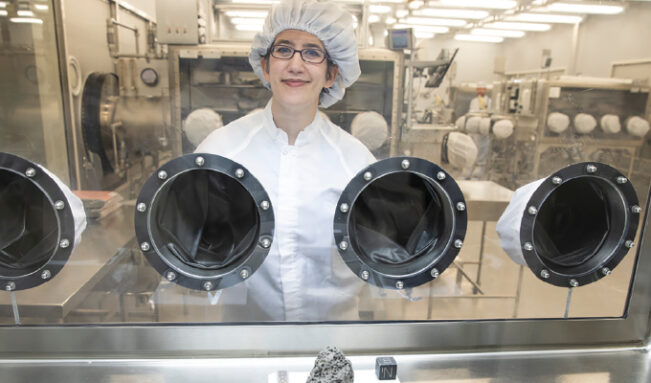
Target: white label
x,y
554,92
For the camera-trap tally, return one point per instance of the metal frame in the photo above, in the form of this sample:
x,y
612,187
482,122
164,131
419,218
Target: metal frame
x,y
544,142
229,49
72,145
409,71
627,63
356,338
398,73
301,338
613,251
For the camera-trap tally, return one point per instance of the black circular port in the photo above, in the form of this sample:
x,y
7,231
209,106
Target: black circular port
x,y
205,219
583,222
204,222
36,238
400,222
576,222
397,219
29,230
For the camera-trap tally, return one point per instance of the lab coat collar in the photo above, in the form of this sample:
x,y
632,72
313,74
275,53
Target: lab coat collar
x,y
279,136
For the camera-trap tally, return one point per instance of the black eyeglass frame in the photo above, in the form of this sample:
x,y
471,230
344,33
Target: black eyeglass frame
x,y
300,51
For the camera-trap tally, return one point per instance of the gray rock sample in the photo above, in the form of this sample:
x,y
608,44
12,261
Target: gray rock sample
x,y
331,366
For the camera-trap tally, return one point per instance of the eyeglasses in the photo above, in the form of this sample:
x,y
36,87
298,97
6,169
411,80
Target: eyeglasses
x,y
309,55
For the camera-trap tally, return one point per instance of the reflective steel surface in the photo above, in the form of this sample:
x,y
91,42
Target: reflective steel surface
x,y
486,199
91,261
109,318
631,365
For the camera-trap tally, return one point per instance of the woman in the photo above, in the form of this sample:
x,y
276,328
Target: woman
x,y
307,55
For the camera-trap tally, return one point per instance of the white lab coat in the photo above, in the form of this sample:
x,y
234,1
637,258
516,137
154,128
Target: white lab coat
x,y
483,142
303,278
477,106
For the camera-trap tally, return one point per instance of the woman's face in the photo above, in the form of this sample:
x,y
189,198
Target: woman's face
x,y
295,82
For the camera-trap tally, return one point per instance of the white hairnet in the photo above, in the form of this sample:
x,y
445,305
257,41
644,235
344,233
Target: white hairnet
x,y
610,124
472,124
637,126
371,128
462,151
200,123
485,126
503,129
460,123
558,122
584,123
329,23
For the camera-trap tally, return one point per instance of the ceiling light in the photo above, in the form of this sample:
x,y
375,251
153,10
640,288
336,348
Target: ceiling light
x,y
247,20
423,28
248,27
400,13
490,4
26,20
373,18
22,13
454,13
496,32
483,39
598,9
3,12
435,21
390,20
415,4
246,13
379,9
388,1
519,26
423,35
3,4
41,7
546,18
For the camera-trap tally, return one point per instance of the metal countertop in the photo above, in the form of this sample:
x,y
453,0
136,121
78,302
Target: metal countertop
x,y
101,246
590,365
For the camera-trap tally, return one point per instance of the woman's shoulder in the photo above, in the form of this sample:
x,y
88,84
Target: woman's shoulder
x,y
221,141
351,150
337,134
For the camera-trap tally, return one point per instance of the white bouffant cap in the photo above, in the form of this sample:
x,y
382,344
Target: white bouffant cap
x,y
329,23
